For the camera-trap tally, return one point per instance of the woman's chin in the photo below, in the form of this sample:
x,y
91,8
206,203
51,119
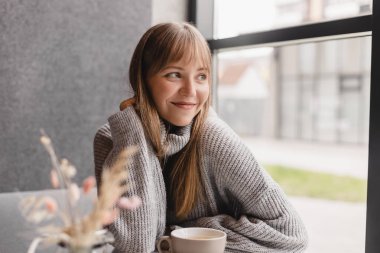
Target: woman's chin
x,y
179,122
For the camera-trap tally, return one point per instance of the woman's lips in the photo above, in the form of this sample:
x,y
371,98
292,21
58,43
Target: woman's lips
x,y
184,105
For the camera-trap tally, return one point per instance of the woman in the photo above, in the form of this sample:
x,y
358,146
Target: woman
x,y
191,168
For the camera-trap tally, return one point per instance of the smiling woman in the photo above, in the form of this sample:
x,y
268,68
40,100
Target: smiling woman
x,y
190,169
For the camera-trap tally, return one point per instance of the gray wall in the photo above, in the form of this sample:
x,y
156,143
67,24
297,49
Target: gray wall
x,y
63,67
169,10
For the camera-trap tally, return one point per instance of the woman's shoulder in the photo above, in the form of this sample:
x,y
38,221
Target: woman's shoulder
x,y
222,147
216,133
126,123
216,128
119,123
124,117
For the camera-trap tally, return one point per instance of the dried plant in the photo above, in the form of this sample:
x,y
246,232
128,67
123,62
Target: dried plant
x,y
85,231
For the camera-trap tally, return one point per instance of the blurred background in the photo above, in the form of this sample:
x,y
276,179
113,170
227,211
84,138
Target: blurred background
x,y
302,108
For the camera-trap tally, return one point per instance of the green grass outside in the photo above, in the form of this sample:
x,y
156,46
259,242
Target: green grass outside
x,y
298,182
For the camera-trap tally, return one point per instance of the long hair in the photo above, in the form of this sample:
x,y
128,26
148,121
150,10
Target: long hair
x,y
161,45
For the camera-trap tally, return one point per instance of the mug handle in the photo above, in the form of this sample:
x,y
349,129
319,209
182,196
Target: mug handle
x,y
163,239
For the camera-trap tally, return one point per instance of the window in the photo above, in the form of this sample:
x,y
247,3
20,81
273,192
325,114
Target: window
x,y
293,78
300,108
245,16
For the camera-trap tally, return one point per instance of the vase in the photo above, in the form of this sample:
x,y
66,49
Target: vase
x,y
102,238
80,250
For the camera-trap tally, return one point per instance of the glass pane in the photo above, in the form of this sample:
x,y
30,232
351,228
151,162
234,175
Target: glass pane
x,y
303,110
237,17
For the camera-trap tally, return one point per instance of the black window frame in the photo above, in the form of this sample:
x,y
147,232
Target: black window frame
x,y
326,30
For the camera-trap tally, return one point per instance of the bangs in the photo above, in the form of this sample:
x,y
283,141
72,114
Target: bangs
x,y
183,43
190,49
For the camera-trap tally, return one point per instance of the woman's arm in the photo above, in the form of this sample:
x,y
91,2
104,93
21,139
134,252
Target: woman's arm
x,y
255,213
134,231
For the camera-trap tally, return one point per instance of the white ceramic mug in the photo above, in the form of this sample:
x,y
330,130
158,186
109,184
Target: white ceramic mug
x,y
190,240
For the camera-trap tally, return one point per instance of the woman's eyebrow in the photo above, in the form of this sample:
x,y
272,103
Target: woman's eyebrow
x,y
172,67
180,68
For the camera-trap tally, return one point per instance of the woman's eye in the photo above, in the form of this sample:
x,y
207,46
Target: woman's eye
x,y
173,75
202,77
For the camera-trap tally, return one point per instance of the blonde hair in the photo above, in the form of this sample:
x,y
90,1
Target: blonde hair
x,y
161,45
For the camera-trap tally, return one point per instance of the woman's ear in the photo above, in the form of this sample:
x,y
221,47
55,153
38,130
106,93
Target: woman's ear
x,y
126,103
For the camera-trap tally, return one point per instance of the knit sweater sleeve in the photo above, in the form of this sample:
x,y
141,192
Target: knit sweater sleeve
x,y
134,231
254,212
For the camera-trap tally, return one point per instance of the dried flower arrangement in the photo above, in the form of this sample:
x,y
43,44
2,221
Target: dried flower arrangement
x,y
79,234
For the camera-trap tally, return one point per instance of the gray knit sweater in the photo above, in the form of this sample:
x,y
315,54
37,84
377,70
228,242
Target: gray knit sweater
x,y
241,198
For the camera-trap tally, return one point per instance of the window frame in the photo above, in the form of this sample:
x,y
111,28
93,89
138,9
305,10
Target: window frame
x,y
364,25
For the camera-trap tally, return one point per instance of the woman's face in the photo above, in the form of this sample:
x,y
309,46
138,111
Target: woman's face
x,y
179,91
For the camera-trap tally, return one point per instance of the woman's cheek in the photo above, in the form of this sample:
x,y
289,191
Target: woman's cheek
x,y
204,92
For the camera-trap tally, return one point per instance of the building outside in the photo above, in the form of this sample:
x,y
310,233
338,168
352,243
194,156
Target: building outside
x,y
312,92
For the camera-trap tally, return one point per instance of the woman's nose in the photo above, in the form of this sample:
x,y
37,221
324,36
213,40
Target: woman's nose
x,y
188,88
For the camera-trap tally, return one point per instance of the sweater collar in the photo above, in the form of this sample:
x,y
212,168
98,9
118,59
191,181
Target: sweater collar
x,y
174,138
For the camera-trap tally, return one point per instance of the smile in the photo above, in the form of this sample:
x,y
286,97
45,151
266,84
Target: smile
x,y
184,105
